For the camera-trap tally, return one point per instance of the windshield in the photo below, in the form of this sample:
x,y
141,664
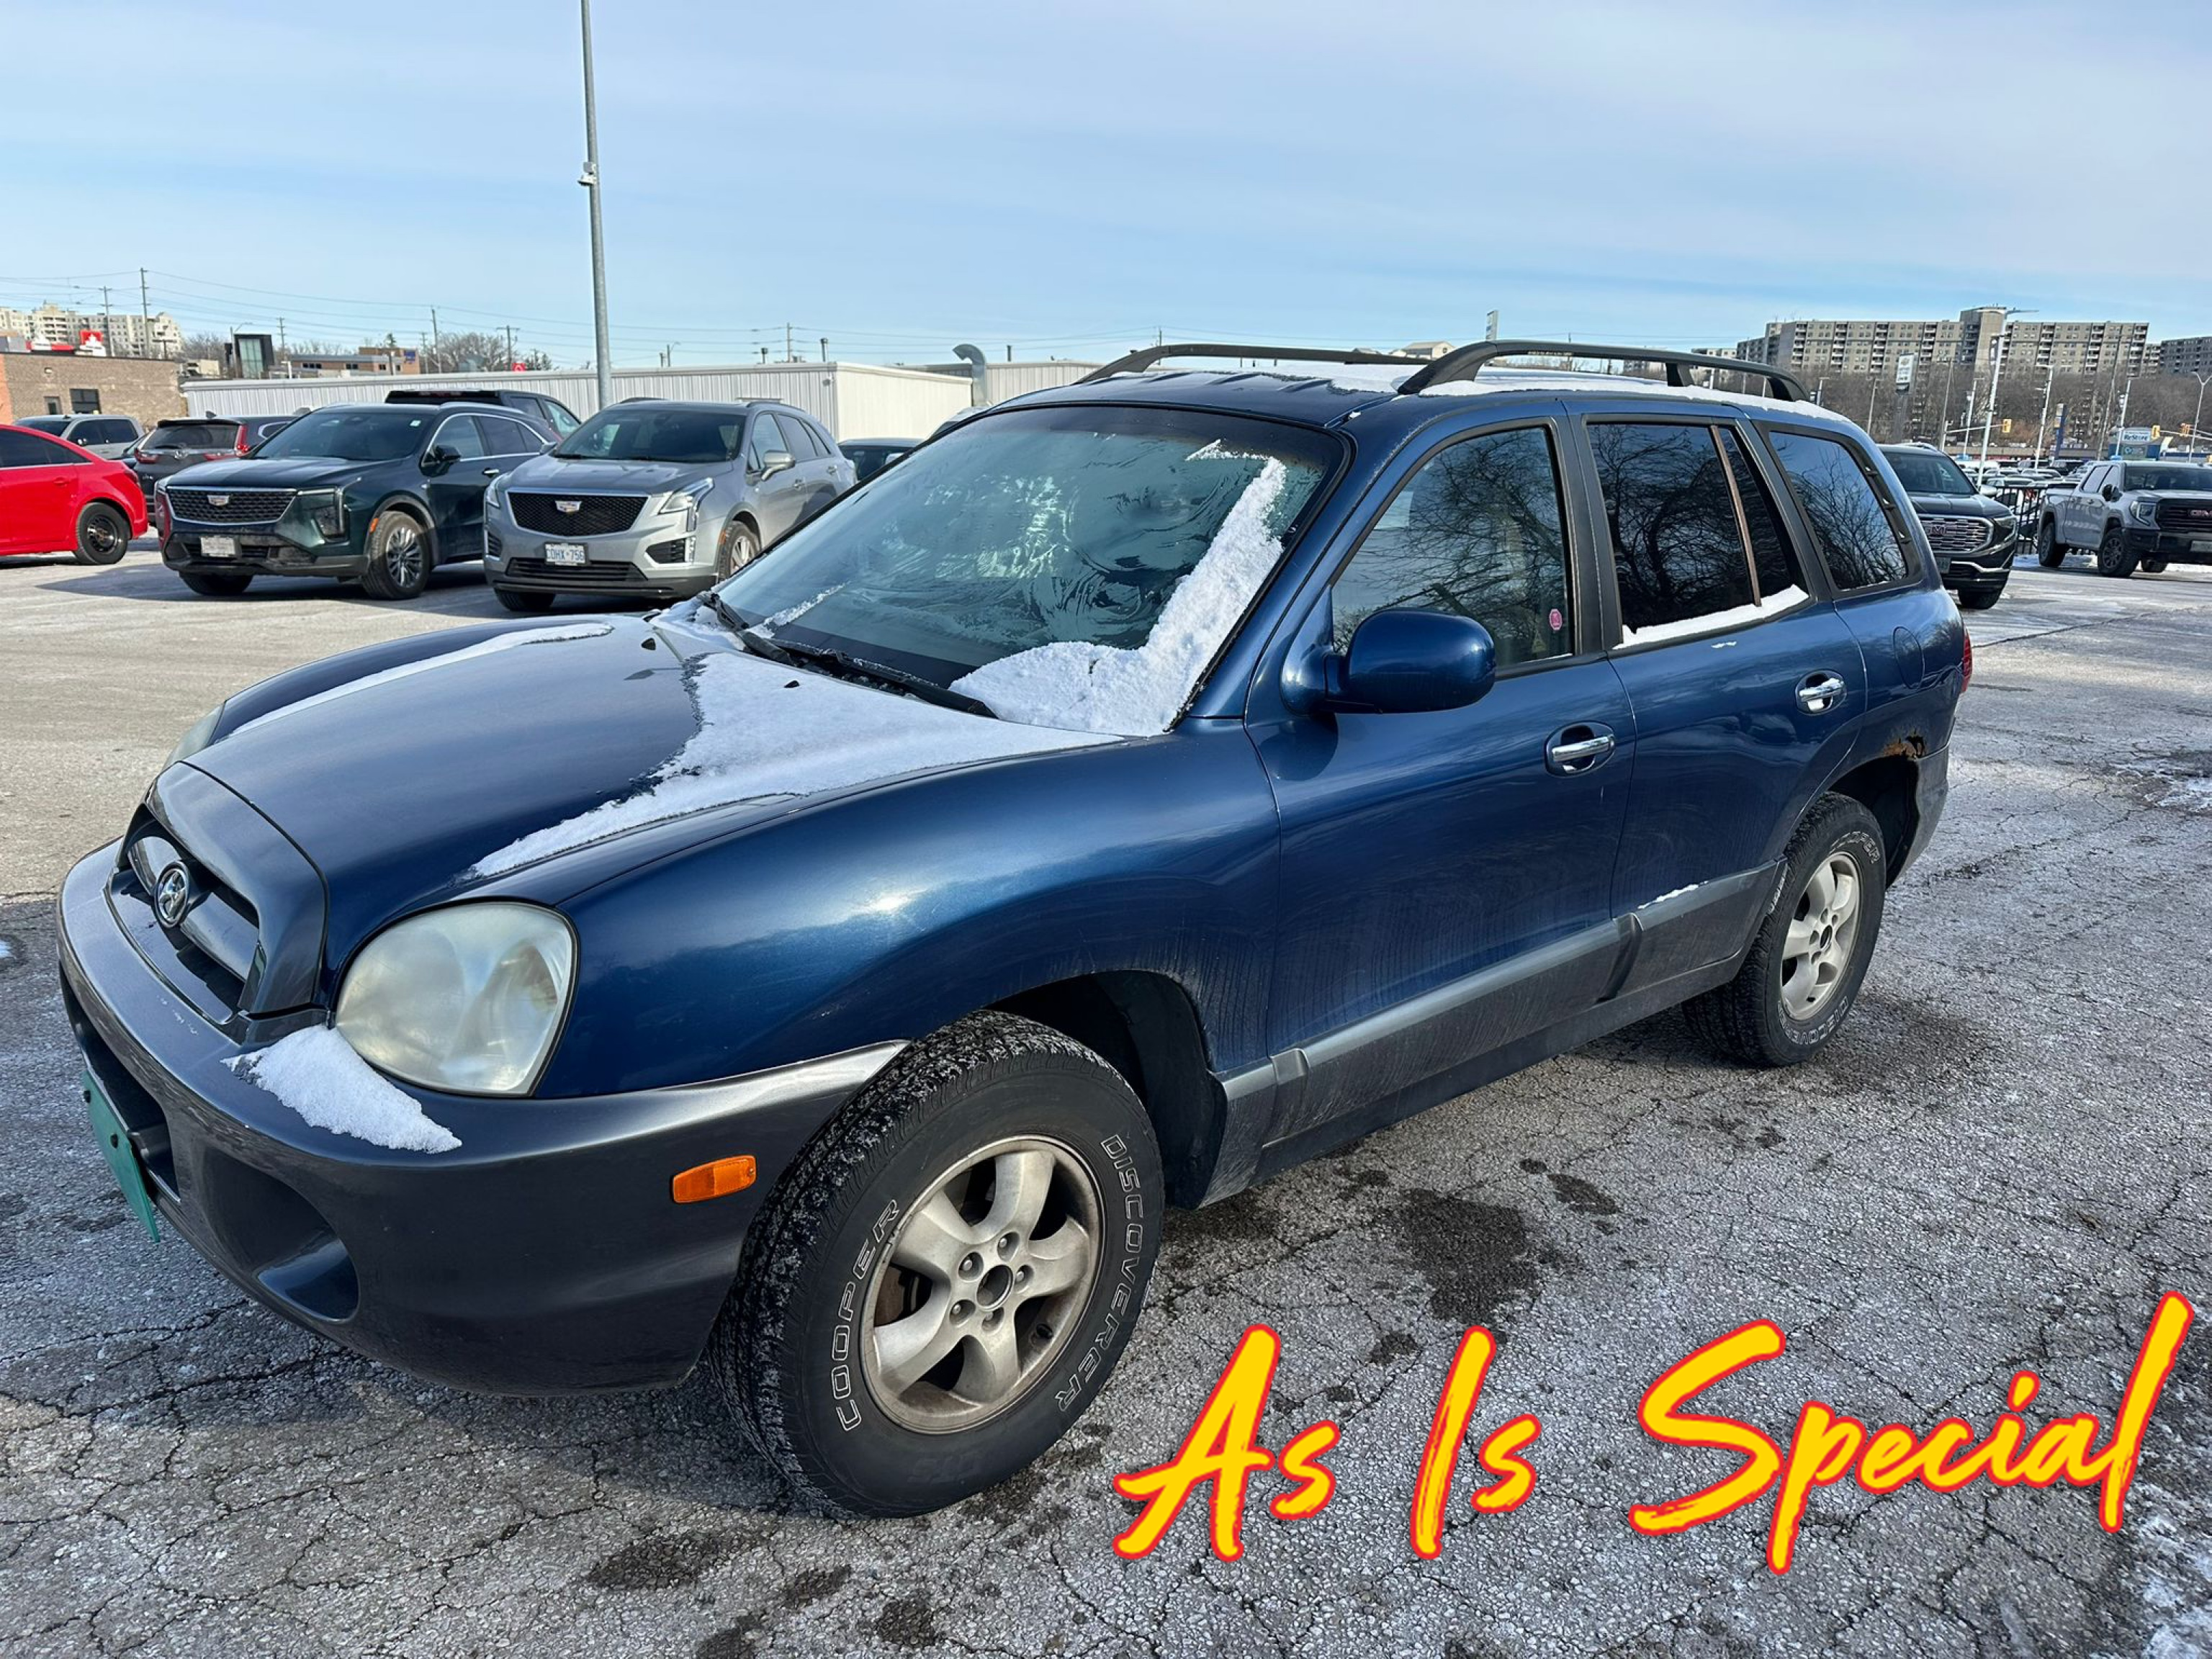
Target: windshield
x,y
1075,567
204,434
1925,472
381,433
639,432
2170,477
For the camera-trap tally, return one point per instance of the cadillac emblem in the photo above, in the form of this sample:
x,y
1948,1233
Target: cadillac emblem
x,y
173,895
218,500
569,506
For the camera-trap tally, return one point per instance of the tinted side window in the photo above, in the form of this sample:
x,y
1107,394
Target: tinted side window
x,y
1773,556
28,449
798,438
509,437
764,438
459,434
1678,553
1855,535
557,417
1475,531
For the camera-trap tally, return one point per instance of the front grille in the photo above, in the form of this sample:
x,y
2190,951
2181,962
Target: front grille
x,y
2193,516
1955,535
229,506
593,515
218,934
575,575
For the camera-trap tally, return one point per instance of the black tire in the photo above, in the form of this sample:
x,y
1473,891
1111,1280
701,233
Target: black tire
x,y
792,1347
739,546
2113,559
1978,598
217,583
523,601
103,534
2151,567
1747,1018
398,556
2050,551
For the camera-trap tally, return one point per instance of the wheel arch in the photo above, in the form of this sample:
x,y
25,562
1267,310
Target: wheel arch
x,y
416,508
1887,787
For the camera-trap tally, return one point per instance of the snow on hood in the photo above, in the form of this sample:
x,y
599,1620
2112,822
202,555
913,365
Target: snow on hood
x,y
766,732
1136,692
316,1074
425,665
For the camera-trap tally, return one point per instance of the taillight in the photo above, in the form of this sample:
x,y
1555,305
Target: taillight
x,y
243,446
1967,662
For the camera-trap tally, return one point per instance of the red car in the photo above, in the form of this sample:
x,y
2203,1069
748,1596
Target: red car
x,y
57,498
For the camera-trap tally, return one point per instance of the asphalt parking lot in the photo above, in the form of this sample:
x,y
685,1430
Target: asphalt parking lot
x,y
2004,1161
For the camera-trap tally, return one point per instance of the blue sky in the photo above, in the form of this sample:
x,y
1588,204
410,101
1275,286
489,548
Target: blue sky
x,y
1066,178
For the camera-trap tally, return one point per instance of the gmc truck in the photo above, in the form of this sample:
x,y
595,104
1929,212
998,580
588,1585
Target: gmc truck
x,y
2131,514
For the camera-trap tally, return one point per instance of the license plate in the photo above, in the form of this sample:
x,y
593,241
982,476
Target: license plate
x,y
564,553
218,547
122,1156
2201,544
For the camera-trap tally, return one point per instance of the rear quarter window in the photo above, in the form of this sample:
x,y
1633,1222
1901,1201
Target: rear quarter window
x,y
1863,547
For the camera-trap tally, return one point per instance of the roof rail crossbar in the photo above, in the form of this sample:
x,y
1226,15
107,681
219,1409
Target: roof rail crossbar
x,y
1137,361
1469,360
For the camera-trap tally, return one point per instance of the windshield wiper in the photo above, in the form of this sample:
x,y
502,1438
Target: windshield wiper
x,y
862,668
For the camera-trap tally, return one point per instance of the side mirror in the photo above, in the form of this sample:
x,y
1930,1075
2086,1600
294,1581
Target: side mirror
x,y
774,461
1411,662
2111,492
439,458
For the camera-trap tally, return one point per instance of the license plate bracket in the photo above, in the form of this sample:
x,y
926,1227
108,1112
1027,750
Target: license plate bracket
x,y
218,547
566,554
114,1138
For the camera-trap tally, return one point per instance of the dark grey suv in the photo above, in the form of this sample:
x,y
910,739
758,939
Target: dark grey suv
x,y
655,499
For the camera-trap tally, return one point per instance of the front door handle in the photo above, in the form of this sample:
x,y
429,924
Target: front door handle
x,y
491,472
1818,693
1575,749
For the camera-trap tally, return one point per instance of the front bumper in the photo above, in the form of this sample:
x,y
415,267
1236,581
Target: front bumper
x,y
544,1256
662,557
2149,541
279,548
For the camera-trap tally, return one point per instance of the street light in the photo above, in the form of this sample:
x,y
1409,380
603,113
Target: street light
x,y
1996,373
2197,425
591,181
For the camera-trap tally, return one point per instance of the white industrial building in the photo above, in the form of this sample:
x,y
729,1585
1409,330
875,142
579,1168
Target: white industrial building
x,y
854,400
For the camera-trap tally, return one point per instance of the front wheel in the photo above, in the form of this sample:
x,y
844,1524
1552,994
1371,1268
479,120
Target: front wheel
x,y
398,556
2113,559
217,583
2050,551
1809,957
103,534
740,545
943,1280
1978,598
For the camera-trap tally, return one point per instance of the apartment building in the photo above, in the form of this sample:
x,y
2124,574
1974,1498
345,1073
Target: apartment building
x,y
127,334
2191,354
1838,346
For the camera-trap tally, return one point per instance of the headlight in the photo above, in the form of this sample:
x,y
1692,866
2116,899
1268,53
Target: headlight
x,y
685,500
323,509
197,736
468,998
2144,509
496,493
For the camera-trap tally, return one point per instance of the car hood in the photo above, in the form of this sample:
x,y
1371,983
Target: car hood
x,y
297,472
418,782
1959,507
549,473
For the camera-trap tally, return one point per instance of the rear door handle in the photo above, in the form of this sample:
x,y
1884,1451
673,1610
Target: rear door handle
x,y
1818,693
1575,749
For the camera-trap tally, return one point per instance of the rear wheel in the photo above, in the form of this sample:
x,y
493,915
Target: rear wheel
x,y
2113,559
398,556
2050,551
1809,957
103,534
523,601
944,1278
217,583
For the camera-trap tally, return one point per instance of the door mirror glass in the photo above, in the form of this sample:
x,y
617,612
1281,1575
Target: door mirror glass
x,y
1413,662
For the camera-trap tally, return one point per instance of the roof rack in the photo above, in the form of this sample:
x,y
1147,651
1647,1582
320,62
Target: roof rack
x,y
1469,360
1136,361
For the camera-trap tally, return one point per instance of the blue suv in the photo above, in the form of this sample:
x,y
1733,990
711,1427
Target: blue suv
x,y
1142,787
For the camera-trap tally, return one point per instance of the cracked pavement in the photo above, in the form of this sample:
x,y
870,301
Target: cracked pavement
x,y
2003,1161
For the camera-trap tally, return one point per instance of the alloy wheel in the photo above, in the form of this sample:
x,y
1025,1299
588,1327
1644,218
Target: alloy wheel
x,y
403,553
980,1287
1824,926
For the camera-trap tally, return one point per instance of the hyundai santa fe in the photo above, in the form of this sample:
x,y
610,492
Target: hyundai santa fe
x,y
1142,787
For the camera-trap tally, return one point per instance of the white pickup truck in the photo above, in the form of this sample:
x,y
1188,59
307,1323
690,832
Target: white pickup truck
x,y
2131,514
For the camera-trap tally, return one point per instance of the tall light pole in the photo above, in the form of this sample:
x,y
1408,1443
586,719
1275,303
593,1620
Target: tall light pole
x,y
2044,419
2197,425
591,181
1996,374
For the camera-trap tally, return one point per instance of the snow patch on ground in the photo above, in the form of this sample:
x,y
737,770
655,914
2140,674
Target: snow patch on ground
x,y
481,648
766,732
2191,792
1736,617
1111,689
316,1072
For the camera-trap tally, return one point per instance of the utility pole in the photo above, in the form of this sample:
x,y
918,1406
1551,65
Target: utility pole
x,y
789,356
825,348
591,182
106,321
435,351
2042,420
510,346
145,315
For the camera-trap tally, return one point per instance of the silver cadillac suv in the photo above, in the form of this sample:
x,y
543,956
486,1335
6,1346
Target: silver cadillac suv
x,y
653,499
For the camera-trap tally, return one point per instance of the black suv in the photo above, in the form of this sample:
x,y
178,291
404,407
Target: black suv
x,y
555,416
372,493
1972,536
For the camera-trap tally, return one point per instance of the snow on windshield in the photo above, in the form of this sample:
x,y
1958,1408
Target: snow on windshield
x,y
1131,692
766,732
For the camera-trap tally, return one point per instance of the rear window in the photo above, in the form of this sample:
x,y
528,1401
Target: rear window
x,y
1833,486
195,434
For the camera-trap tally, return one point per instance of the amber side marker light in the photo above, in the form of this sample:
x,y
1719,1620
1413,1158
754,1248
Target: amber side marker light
x,y
723,1175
